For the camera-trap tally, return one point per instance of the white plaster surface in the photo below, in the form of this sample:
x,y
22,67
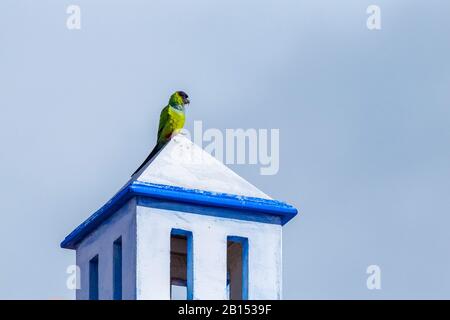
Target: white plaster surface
x,y
146,232
100,242
184,164
209,248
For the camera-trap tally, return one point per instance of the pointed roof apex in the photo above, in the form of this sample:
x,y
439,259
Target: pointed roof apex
x,y
184,173
184,164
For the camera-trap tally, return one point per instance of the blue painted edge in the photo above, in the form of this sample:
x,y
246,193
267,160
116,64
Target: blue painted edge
x,y
117,269
190,261
93,278
244,242
207,210
246,205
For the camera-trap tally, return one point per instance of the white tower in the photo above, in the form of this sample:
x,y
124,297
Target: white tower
x,y
184,222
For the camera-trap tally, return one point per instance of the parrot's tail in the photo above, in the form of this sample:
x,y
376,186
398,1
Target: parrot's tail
x,y
154,152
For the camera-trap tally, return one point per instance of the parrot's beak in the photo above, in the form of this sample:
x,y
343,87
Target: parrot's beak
x,y
186,101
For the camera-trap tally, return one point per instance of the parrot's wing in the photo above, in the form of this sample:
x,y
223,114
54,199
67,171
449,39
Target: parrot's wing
x,y
163,121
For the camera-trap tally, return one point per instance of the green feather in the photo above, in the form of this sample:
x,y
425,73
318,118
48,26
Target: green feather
x,y
171,121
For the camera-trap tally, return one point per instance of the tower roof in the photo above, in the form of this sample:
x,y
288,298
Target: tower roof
x,y
184,173
184,164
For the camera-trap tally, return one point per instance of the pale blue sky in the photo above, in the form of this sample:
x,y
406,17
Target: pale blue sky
x,y
364,119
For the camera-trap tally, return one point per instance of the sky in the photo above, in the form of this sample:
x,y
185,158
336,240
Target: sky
x,y
363,116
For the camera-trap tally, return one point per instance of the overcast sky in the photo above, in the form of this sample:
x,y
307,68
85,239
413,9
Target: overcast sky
x,y
364,119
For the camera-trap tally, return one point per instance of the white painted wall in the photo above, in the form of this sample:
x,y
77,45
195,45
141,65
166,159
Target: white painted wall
x,y
209,244
122,223
146,234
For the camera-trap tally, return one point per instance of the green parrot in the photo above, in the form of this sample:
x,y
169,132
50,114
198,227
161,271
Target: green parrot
x,y
171,121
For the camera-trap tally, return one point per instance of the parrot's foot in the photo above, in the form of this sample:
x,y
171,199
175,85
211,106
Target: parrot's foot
x,y
182,132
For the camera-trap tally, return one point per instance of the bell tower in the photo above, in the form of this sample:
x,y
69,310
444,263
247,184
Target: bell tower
x,y
185,225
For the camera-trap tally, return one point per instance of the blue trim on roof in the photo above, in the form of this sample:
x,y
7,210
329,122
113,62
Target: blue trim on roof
x,y
247,205
207,210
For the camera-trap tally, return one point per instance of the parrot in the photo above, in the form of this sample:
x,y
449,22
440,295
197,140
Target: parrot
x,y
171,121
